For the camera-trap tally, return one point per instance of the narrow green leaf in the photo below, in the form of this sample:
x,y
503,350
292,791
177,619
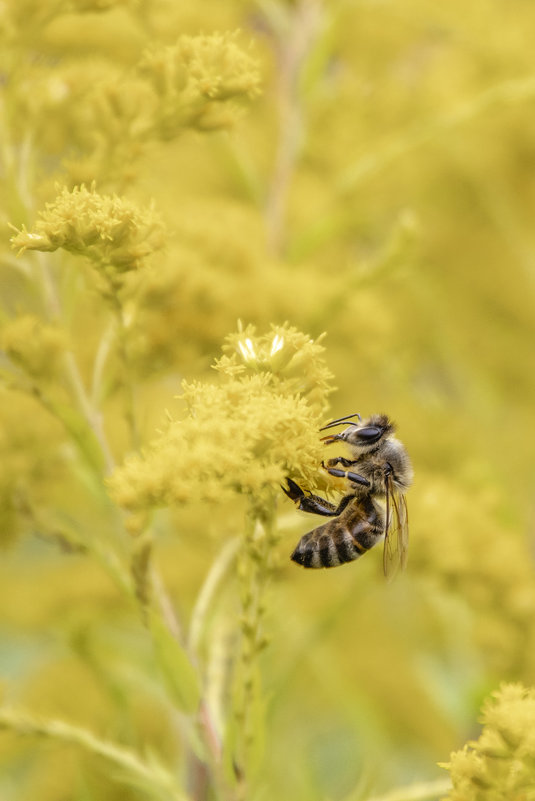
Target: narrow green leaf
x,y
150,775
180,676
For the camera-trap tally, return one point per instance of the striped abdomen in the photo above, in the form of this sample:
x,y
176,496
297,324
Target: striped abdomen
x,y
343,539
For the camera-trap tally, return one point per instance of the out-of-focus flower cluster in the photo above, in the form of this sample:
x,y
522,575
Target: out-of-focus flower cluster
x,y
243,434
34,346
113,233
195,83
15,14
199,82
195,78
214,267
501,763
96,116
30,463
487,565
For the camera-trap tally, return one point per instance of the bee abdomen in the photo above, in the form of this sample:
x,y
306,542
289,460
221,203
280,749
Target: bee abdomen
x,y
326,550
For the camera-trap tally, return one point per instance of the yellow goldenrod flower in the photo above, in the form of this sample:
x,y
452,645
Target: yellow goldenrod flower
x,y
243,434
110,231
501,763
195,78
293,358
217,67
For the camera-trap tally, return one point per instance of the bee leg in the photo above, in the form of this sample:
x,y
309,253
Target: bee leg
x,y
313,503
293,490
307,503
353,477
339,460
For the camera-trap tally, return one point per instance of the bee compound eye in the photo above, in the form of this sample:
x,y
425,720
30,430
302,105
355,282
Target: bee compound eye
x,y
369,434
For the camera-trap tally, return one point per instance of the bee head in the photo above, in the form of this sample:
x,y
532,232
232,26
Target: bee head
x,y
363,435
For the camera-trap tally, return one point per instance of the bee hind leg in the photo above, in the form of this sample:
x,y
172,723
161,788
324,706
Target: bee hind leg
x,y
293,490
314,504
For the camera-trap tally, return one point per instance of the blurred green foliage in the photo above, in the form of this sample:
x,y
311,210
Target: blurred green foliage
x,y
352,167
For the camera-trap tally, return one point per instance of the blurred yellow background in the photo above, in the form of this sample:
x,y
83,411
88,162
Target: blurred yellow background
x,y
381,189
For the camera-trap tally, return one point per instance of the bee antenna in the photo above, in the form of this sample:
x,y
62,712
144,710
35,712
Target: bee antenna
x,y
342,420
340,423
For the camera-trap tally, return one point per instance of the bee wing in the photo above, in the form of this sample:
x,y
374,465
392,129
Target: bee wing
x,y
403,534
396,531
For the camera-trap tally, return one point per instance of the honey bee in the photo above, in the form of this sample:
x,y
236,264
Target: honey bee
x,y
379,470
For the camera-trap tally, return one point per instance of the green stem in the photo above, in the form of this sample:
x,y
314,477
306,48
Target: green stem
x,y
91,415
71,370
72,426
128,383
422,791
254,568
217,575
101,357
220,571
23,173
165,605
294,46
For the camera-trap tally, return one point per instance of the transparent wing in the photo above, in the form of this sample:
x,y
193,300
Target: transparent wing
x,y
396,531
403,534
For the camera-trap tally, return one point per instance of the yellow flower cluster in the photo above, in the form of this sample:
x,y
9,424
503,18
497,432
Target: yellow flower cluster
x,y
243,434
195,78
501,763
33,345
30,463
214,267
295,360
110,231
501,600
217,67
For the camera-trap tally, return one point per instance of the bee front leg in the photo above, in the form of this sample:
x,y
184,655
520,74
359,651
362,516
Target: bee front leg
x,y
314,504
339,460
355,478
